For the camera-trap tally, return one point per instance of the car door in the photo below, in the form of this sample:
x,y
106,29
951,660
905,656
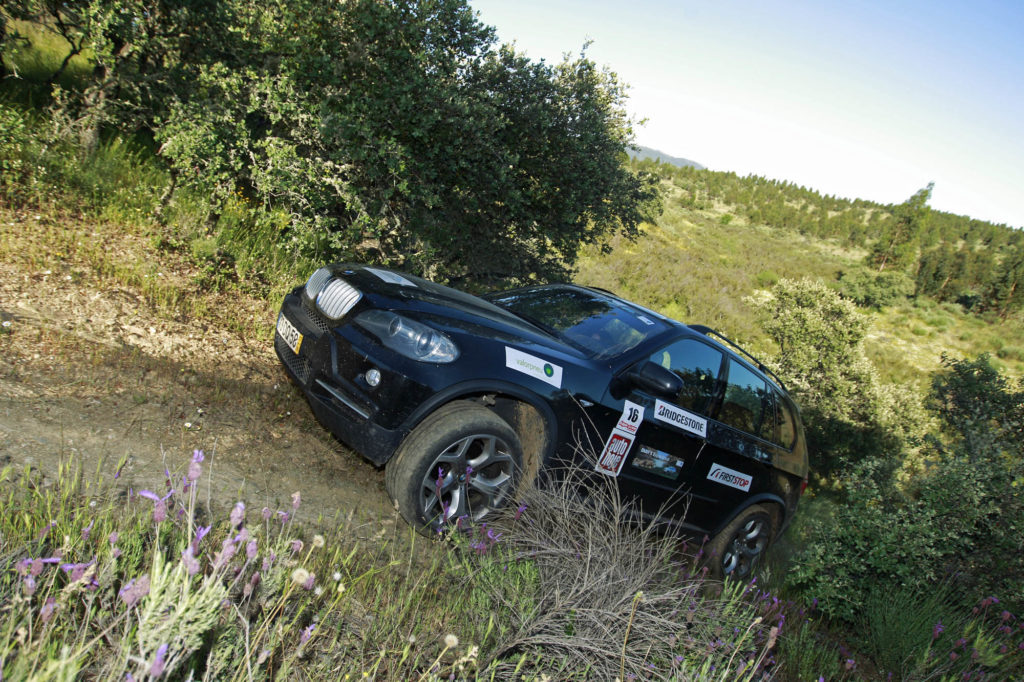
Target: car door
x,y
654,443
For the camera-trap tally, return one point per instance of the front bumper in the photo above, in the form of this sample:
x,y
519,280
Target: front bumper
x,y
329,369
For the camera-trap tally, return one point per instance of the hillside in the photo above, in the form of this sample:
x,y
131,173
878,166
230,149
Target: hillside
x,y
646,153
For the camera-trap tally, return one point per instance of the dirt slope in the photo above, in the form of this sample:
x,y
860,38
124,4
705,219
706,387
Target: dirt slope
x,y
92,370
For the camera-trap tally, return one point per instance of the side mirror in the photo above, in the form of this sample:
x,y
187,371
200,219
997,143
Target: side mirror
x,y
654,378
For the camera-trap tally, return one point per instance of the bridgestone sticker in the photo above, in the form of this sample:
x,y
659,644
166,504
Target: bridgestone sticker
x,y
621,440
538,368
390,277
729,477
676,416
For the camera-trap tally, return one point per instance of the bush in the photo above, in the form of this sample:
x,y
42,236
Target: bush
x,y
875,290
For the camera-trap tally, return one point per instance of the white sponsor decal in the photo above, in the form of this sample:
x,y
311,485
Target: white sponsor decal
x,y
391,277
621,439
729,477
688,421
538,368
632,416
614,455
645,320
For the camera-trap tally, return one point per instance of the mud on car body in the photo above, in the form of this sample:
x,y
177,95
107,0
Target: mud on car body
x,y
463,397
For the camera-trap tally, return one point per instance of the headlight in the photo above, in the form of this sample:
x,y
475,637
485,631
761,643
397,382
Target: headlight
x,y
408,337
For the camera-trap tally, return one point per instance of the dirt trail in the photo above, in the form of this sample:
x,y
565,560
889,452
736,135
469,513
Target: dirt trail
x,y
90,373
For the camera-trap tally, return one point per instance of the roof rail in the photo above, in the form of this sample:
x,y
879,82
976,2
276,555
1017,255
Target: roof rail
x,y
708,331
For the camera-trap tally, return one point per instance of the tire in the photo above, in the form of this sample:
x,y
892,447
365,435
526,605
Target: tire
x,y
461,462
737,551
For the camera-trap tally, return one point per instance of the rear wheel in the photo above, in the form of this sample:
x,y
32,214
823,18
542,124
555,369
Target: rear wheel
x,y
461,462
738,550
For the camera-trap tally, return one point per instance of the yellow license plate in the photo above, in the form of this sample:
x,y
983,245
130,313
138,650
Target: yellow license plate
x,y
289,333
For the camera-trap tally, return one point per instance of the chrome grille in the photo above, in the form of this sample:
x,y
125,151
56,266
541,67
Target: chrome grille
x,y
337,298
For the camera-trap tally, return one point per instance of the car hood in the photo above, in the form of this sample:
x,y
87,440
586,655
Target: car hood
x,y
448,307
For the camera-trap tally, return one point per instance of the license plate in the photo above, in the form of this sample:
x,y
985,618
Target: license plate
x,y
289,333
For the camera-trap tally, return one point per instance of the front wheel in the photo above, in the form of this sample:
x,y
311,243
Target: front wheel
x,y
738,550
461,462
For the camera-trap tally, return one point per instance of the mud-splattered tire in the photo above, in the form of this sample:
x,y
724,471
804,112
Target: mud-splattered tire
x,y
740,547
463,461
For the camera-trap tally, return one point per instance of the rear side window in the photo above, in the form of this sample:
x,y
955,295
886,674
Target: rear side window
x,y
698,365
748,404
785,423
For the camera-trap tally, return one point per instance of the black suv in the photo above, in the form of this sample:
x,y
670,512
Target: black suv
x,y
462,397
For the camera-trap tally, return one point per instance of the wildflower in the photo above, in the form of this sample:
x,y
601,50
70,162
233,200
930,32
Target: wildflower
x,y
48,608
135,590
242,536
88,529
341,588
1005,616
520,510
336,576
296,546
451,641
412,639
296,499
112,538
187,558
29,585
77,571
238,514
937,630
310,581
953,655
318,590
318,541
250,550
284,516
300,576
227,550
269,561
156,668
159,504
46,529
307,632
267,513
194,470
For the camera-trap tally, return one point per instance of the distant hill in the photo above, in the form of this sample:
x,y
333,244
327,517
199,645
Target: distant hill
x,y
654,154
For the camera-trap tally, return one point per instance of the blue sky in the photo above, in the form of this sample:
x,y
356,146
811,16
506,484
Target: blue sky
x,y
866,99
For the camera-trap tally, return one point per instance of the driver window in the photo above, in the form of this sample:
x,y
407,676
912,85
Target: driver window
x,y
698,365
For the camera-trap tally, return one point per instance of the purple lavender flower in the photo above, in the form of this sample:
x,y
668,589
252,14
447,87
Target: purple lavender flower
x,y
238,514
267,513
187,558
88,529
242,536
159,504
46,612
520,510
296,500
296,546
250,550
307,632
227,550
135,590
112,538
46,529
310,582
77,571
937,630
29,585
156,668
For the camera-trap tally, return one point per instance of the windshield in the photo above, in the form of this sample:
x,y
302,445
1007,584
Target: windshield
x,y
601,326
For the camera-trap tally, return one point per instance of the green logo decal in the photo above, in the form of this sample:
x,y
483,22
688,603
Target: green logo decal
x,y
548,370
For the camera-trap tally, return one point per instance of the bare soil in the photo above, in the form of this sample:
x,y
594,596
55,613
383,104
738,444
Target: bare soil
x,y
93,372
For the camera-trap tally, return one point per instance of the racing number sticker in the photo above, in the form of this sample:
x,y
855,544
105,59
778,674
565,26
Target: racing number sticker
x,y
621,439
